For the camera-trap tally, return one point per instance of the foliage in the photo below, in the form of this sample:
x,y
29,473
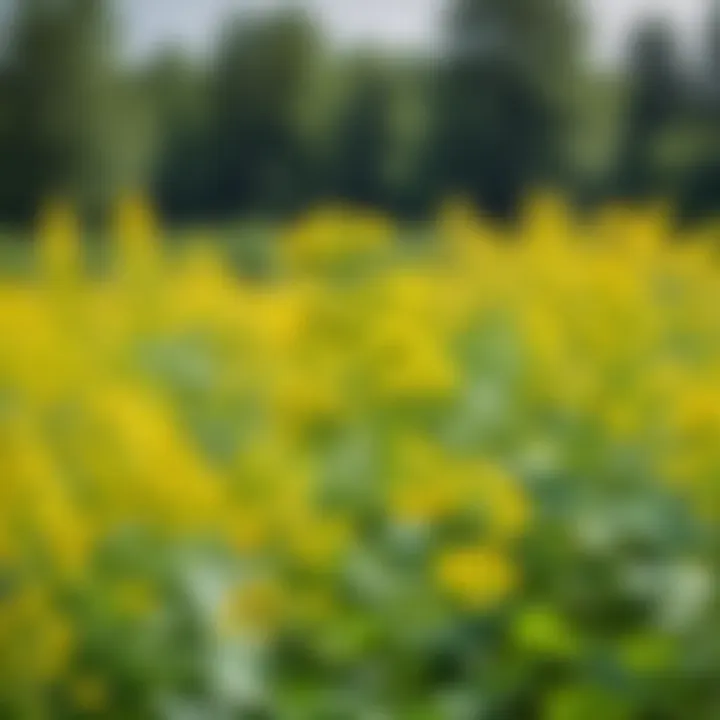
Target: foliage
x,y
654,102
362,145
260,72
60,125
275,119
460,479
499,106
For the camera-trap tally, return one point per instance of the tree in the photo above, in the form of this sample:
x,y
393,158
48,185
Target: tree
x,y
362,137
181,179
700,192
654,102
500,101
713,58
60,93
6,182
257,86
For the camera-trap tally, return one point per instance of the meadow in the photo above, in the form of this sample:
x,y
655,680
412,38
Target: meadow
x,y
475,477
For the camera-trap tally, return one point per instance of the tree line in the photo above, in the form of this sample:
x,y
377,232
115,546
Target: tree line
x,y
275,119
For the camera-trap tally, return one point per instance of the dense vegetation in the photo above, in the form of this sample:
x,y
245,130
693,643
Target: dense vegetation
x,y
474,477
274,119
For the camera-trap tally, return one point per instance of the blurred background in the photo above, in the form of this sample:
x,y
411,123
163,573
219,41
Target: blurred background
x,y
344,475
232,109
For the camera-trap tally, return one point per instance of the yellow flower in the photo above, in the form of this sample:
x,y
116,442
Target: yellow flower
x,y
548,220
334,234
407,360
248,530
59,242
477,578
318,542
507,508
429,486
423,501
137,238
268,422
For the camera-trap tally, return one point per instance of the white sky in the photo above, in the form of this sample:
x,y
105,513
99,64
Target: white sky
x,y
394,22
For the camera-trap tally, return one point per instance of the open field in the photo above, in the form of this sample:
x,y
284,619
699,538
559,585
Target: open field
x,y
478,480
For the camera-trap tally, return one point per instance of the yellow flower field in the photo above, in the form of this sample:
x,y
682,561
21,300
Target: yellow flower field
x,y
477,477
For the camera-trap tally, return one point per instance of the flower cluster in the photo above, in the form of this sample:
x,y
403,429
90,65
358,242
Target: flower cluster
x,y
461,477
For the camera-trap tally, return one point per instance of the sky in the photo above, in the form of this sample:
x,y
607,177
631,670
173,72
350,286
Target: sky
x,y
410,23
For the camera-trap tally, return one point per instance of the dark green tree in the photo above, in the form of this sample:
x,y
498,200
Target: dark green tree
x,y
713,58
177,91
6,182
501,100
363,137
257,85
655,101
700,191
60,114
